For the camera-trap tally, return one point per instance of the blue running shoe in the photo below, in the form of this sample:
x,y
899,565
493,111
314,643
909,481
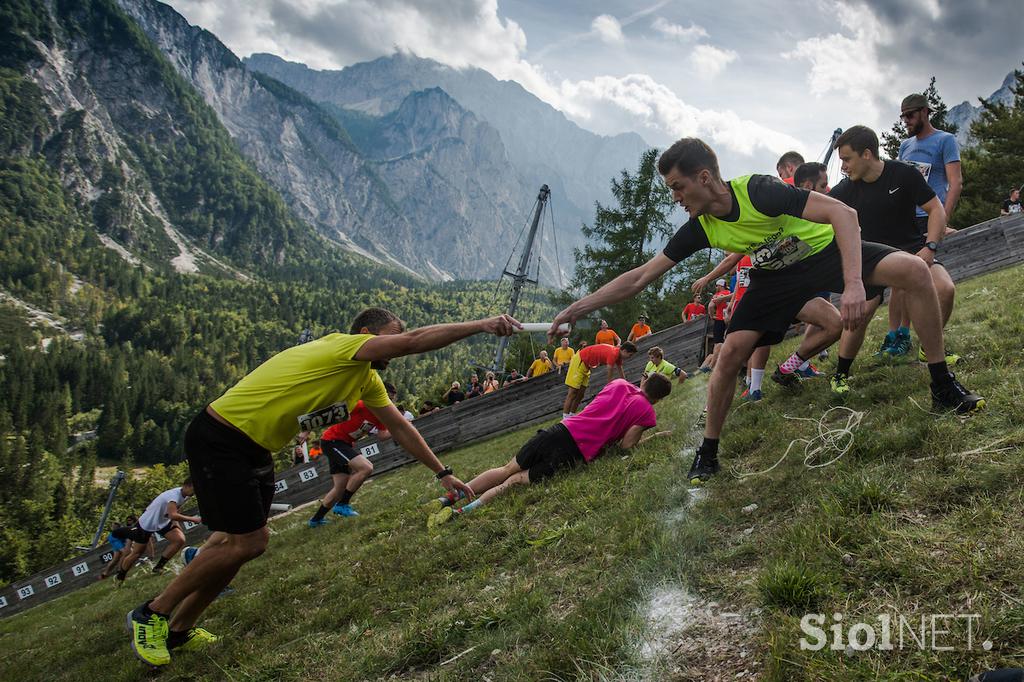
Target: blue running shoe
x,y
188,554
753,396
314,523
887,343
810,373
344,510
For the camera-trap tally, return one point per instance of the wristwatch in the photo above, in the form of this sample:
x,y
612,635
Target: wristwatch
x,y
447,471
934,246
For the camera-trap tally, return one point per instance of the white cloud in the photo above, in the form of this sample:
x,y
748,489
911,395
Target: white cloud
x,y
709,61
658,108
850,63
608,29
677,31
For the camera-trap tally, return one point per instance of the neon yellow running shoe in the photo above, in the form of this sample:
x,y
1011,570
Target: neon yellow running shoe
x,y
951,358
197,638
440,518
840,384
149,637
433,506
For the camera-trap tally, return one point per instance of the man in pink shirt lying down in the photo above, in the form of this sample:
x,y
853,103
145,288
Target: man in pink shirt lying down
x,y
620,413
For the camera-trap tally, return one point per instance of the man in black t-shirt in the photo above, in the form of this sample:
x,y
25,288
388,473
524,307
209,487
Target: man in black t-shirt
x,y
800,243
886,196
1011,206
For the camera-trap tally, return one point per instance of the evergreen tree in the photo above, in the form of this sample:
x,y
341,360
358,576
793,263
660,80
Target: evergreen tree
x,y
892,139
621,238
992,166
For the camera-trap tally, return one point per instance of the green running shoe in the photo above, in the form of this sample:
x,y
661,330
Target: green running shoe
x,y
840,384
440,518
951,357
197,638
149,637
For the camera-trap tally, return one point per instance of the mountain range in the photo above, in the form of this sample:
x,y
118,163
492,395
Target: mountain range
x,y
965,113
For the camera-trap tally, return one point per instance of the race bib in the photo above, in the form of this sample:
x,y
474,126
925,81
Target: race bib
x,y
780,254
743,278
363,429
923,166
325,416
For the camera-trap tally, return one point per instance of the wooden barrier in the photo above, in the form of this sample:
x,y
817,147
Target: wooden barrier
x,y
973,251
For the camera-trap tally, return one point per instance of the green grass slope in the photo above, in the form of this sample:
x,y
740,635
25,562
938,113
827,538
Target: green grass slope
x,y
555,582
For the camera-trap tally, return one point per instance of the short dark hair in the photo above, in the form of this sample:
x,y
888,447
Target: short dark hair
x,y
628,346
689,156
858,138
375,319
657,386
187,481
808,171
795,158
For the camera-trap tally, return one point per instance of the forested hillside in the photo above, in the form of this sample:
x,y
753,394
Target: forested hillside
x,y
144,267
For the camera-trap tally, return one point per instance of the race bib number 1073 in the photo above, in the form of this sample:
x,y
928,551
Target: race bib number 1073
x,y
325,416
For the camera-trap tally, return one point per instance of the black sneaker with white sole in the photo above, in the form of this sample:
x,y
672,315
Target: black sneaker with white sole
x,y
951,395
790,380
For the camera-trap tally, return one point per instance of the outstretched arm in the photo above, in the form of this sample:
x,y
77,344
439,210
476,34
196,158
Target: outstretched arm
x,y
726,264
436,336
619,289
174,515
406,435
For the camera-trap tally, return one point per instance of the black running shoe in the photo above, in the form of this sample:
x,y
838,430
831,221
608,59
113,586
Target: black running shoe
x,y
703,468
950,395
791,380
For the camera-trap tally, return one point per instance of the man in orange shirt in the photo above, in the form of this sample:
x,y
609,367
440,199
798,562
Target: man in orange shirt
x,y
639,330
607,336
578,375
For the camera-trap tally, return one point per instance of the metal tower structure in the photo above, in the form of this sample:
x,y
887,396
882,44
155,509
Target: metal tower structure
x,y
521,276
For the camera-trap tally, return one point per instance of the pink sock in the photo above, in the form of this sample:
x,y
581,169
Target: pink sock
x,y
791,364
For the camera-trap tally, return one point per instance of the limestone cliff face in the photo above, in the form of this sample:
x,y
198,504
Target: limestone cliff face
x,y
966,113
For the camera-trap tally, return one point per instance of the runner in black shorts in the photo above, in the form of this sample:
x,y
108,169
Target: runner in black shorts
x,y
229,445
162,516
801,243
620,413
886,195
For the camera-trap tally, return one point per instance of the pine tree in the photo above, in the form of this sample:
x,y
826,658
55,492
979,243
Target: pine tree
x,y
892,139
621,237
992,167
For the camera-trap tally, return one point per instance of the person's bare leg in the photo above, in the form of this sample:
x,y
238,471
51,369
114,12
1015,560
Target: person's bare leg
x,y
493,477
722,384
360,469
852,339
577,398
897,312
339,482
759,358
570,400
175,541
945,289
209,573
824,327
909,273
518,478
129,560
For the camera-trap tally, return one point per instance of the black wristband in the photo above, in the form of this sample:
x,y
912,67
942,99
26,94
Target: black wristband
x,y
447,471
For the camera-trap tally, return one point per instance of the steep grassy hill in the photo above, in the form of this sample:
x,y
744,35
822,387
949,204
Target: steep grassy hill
x,y
617,572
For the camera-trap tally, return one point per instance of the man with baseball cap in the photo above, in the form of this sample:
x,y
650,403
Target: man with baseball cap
x,y
936,154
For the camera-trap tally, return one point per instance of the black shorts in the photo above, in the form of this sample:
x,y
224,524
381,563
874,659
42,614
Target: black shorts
x,y
339,454
775,297
549,451
718,331
233,477
137,534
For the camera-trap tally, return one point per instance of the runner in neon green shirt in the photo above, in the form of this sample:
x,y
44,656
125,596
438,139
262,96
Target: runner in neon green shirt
x,y
800,243
230,442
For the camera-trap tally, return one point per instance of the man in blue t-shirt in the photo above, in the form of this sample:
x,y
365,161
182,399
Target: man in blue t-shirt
x,y
936,154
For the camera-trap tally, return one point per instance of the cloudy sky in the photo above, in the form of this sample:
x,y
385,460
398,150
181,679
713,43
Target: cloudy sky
x,y
754,79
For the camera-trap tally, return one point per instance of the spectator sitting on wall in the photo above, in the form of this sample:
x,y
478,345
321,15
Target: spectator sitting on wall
x,y
608,336
1012,205
475,388
490,383
563,354
455,394
640,329
428,407
542,365
409,416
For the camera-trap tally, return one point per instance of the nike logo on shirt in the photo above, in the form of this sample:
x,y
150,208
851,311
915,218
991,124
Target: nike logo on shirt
x,y
893,191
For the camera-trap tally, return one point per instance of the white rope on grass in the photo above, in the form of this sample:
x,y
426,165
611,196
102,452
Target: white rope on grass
x,y
830,439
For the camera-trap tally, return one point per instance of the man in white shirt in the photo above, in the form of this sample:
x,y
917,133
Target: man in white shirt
x,y
161,516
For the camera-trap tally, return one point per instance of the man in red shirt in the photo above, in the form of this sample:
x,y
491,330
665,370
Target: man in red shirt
x,y
348,467
578,375
716,307
694,308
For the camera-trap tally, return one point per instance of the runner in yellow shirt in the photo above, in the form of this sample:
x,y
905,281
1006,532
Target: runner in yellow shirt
x,y
229,447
